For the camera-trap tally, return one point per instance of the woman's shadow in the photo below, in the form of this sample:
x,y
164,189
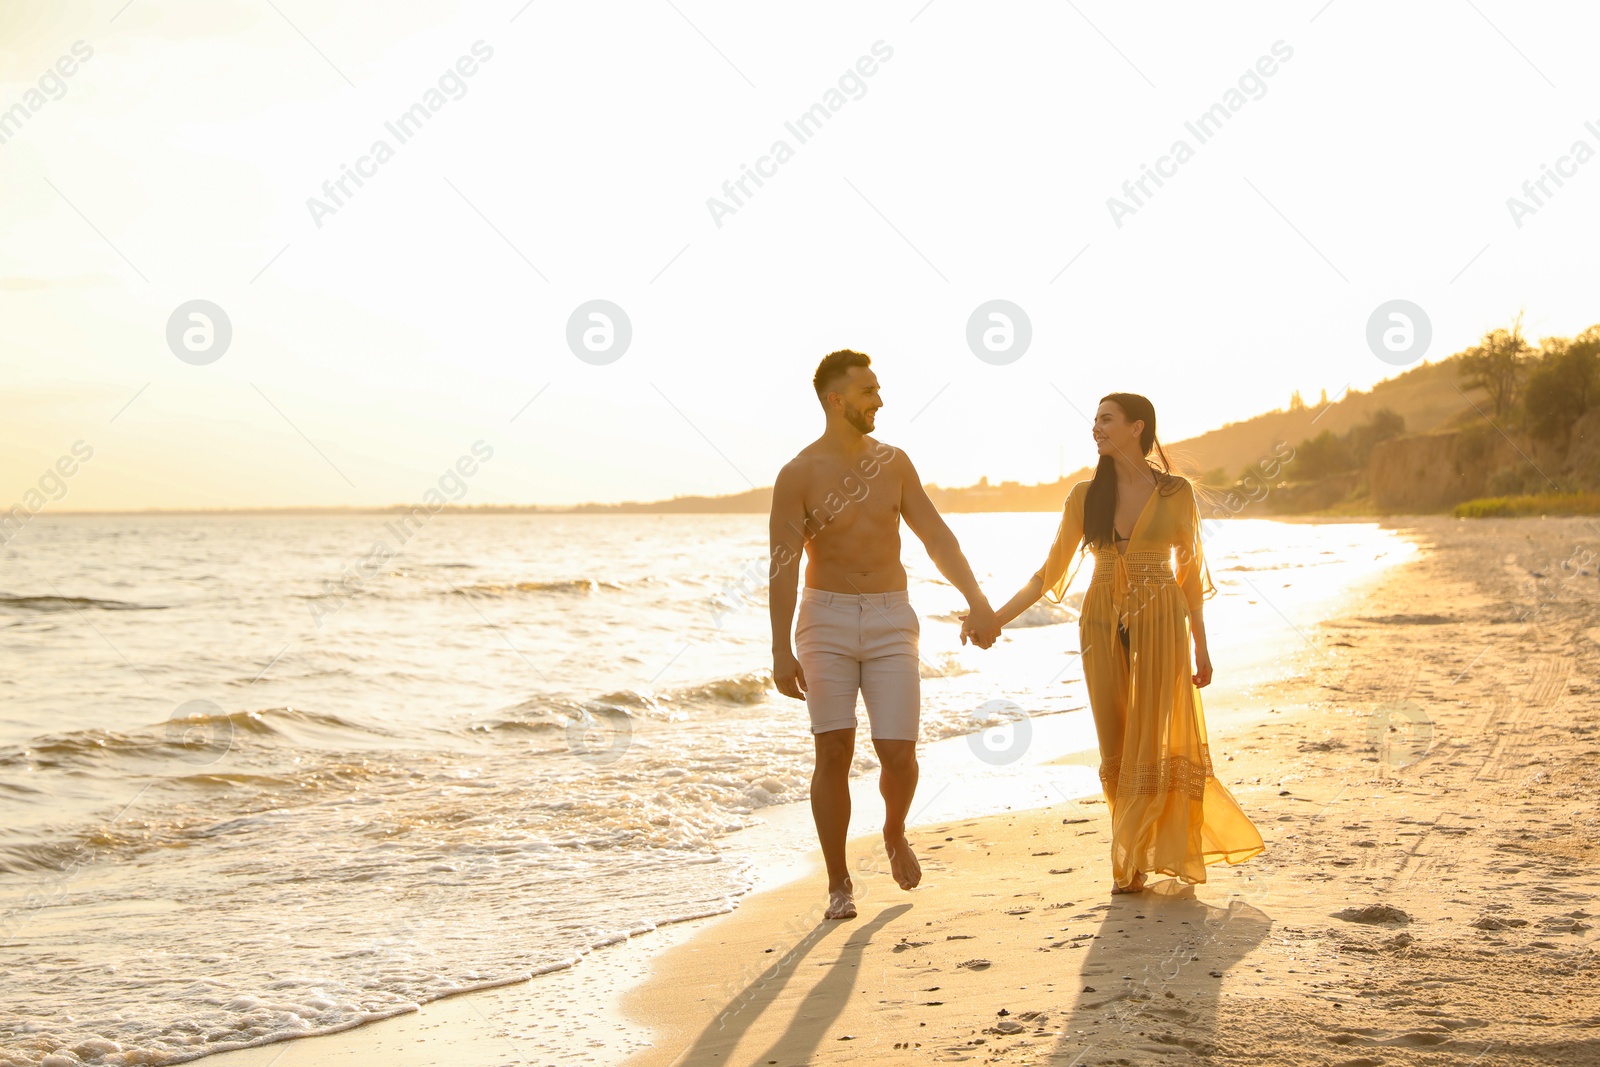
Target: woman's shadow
x,y
1153,977
817,1007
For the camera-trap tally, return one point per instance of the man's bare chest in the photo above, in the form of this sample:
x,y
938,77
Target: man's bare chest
x,y
840,498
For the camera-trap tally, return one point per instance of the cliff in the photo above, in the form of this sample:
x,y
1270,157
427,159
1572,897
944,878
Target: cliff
x,y
1429,472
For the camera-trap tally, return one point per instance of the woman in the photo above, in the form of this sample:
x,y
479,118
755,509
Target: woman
x,y
1169,814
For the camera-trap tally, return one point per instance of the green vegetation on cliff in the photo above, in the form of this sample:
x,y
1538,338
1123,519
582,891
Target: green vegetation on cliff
x,y
1531,504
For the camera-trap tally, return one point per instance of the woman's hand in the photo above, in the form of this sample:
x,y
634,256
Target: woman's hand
x,y
1202,662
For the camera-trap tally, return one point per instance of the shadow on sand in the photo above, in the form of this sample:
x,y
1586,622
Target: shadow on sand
x,y
1153,976
815,1010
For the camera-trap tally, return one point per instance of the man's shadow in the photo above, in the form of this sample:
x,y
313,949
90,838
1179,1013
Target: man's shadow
x,y
818,1006
1154,973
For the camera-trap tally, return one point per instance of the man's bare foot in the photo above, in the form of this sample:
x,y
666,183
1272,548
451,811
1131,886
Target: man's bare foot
x,y
841,901
903,863
1133,886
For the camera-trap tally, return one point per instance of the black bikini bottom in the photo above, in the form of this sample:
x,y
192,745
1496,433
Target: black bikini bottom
x,y
1122,632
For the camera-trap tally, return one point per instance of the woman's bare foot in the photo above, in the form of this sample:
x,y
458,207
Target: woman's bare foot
x,y
1133,886
841,901
903,863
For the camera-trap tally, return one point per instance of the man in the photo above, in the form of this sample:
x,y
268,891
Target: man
x,y
841,501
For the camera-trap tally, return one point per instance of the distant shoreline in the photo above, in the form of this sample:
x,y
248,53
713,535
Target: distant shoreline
x,y
611,509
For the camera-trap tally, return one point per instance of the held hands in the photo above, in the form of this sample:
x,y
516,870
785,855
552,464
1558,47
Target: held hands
x,y
787,675
980,626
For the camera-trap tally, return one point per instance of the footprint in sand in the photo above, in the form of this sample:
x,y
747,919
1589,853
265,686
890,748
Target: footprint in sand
x,y
1373,913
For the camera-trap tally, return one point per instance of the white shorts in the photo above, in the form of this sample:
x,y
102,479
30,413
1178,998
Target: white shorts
x,y
866,642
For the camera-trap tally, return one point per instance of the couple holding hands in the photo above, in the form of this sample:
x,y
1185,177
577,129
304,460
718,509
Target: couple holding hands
x,y
839,504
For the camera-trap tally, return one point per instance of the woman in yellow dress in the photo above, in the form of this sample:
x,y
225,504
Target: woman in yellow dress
x,y
1169,814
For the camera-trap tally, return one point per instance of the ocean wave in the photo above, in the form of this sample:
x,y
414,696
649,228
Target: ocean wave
x,y
536,716
1041,613
189,738
1045,613
949,665
545,714
380,586
69,603
748,688
571,586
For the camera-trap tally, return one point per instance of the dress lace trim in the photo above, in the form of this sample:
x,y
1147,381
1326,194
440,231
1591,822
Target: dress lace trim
x,y
1171,774
1141,567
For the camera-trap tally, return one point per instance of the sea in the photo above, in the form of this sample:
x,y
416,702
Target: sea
x,y
266,775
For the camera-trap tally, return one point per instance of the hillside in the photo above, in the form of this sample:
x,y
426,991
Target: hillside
x,y
1425,396
757,501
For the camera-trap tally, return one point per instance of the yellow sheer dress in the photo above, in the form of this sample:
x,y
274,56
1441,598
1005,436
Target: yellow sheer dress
x,y
1169,814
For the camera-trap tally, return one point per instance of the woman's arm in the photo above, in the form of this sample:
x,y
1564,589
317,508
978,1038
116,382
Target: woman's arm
x,y
1194,578
1202,654
1025,598
1053,576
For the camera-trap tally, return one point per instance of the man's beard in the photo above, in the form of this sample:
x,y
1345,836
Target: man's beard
x,y
858,418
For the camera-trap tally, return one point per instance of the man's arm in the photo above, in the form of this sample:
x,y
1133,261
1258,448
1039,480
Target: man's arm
x,y
929,526
784,534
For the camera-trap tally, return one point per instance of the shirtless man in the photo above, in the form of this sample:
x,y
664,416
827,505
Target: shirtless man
x,y
841,500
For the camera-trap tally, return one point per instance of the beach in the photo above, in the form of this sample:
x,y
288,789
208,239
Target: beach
x,y
1427,894
283,804
1426,775
397,531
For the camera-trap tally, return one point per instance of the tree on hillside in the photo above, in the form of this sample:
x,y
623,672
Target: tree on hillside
x,y
1331,453
1322,455
1295,403
1384,424
1496,365
1563,384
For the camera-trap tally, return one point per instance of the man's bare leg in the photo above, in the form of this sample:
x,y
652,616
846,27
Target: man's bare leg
x,y
830,809
897,781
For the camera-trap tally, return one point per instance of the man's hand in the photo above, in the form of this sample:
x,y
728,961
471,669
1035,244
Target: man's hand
x,y
787,675
980,625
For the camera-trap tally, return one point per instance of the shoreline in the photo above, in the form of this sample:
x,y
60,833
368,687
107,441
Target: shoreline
x,y
590,997
1393,871
1325,516
1429,791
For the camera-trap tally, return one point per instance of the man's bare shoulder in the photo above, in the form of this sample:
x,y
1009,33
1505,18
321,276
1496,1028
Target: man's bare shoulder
x,y
818,455
885,454
800,469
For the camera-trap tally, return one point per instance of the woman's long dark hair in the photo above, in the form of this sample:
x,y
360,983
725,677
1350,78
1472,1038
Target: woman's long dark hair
x,y
1100,505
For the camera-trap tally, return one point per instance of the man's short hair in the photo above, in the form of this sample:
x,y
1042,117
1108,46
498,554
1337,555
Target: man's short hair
x,y
834,366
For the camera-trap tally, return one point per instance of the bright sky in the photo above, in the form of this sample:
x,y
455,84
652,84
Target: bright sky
x,y
430,309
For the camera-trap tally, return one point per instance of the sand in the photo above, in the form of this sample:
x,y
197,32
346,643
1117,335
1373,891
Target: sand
x,y
1429,791
1426,774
